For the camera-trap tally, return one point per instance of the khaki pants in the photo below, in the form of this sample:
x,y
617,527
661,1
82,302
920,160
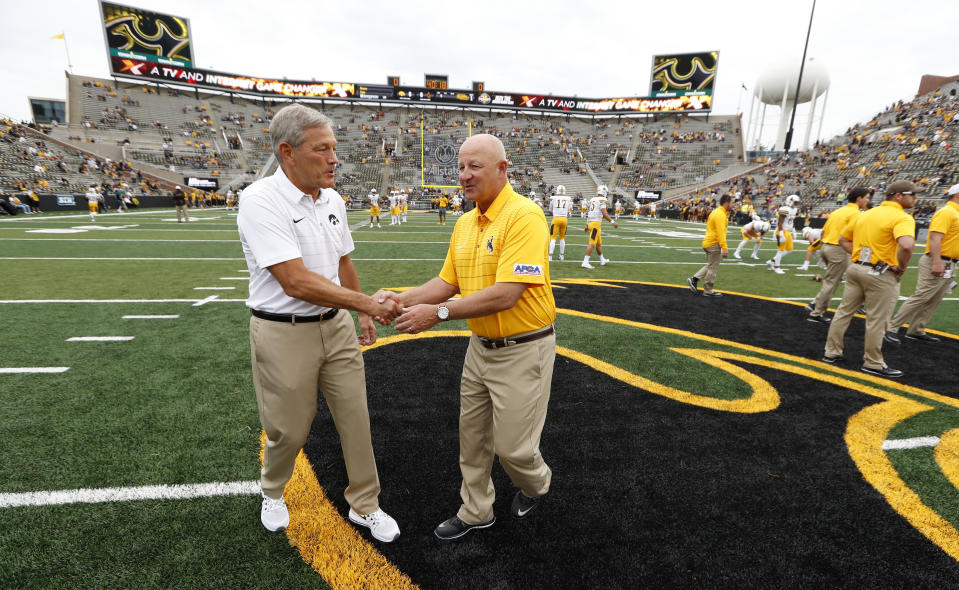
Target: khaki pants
x,y
503,397
714,254
837,259
181,210
919,308
290,361
879,294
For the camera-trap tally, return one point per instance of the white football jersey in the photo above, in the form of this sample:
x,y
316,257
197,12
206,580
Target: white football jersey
x,y
753,227
560,204
790,213
374,200
813,235
596,206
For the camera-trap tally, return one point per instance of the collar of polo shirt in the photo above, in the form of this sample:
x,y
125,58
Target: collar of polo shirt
x,y
294,194
498,203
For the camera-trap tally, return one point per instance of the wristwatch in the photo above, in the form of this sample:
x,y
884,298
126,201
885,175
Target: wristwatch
x,y
443,313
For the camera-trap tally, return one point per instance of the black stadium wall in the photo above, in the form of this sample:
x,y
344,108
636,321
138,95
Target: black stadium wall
x,y
51,202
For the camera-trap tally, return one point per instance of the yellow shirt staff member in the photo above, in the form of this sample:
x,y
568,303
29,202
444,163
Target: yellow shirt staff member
x,y
497,262
835,257
715,247
881,242
937,270
442,203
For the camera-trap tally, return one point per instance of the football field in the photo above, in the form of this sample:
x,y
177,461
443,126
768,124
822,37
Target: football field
x,y
708,445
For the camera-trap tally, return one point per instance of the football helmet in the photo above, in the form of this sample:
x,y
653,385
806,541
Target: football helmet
x,y
373,191
792,200
806,231
560,189
763,226
602,190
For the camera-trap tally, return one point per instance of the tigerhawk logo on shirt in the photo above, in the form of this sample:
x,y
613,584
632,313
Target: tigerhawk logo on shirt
x,y
528,270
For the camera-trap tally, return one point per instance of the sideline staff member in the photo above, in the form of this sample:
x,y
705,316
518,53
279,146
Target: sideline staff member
x,y
937,269
715,247
497,261
296,240
881,242
837,259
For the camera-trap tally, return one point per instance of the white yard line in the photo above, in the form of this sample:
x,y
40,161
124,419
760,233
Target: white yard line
x,y
910,443
100,338
151,317
214,288
159,492
10,370
205,301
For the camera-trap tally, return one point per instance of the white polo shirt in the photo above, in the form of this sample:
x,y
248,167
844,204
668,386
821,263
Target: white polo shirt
x,y
278,222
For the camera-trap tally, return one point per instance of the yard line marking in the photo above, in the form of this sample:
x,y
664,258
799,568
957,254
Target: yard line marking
x,y
244,270
234,278
910,443
151,317
33,369
126,494
214,288
99,338
205,301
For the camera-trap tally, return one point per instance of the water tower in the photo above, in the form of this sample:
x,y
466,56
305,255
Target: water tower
x,y
777,87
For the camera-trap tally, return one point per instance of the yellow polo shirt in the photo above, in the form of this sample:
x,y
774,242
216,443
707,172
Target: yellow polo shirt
x,y
506,244
716,228
443,202
946,222
879,229
837,221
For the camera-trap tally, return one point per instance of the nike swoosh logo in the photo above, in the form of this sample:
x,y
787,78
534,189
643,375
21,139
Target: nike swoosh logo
x,y
522,512
299,220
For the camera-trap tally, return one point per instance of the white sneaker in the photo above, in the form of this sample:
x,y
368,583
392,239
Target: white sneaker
x,y
381,524
603,261
804,267
737,256
273,514
779,271
379,226
770,264
754,257
587,265
561,257
371,224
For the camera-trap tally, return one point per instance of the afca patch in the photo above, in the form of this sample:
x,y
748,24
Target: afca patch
x,y
528,270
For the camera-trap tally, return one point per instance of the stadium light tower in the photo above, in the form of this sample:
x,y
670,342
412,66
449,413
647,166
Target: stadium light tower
x,y
792,117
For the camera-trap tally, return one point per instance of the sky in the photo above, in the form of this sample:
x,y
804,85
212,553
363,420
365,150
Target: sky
x,y
874,52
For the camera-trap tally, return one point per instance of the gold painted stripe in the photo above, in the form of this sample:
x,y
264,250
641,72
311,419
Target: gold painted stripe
x,y
947,455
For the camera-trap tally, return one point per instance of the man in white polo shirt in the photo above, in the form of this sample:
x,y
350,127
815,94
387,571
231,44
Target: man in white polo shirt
x,y
294,234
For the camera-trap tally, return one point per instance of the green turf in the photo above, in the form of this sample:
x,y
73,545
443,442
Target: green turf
x,y
176,404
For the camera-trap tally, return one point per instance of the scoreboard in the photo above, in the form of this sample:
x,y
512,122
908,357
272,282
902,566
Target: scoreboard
x,y
436,81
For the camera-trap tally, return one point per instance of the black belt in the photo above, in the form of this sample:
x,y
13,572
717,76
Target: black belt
x,y
292,318
944,258
514,340
860,262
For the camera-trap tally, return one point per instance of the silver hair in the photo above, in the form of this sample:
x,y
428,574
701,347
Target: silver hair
x,y
289,124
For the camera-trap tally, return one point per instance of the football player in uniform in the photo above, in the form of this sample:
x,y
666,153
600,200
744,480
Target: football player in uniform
x,y
394,201
560,205
404,204
594,225
93,201
457,202
814,237
752,232
786,217
374,207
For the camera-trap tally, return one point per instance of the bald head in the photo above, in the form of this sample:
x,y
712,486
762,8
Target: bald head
x,y
482,166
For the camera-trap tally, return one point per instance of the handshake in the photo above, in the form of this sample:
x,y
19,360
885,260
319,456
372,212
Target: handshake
x,y
388,307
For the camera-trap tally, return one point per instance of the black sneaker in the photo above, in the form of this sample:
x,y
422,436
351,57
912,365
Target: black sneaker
x,y
818,319
455,528
712,294
891,338
883,372
523,505
809,307
924,337
832,360
693,281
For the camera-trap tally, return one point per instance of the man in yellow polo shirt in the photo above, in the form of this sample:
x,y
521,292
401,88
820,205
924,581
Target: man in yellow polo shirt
x,y
714,244
937,268
881,242
497,263
836,258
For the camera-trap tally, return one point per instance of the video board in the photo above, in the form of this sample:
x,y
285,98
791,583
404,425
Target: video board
x,y
146,36
683,74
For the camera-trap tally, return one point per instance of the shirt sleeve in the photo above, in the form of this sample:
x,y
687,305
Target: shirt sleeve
x,y
905,227
268,233
346,238
523,258
940,222
448,273
850,227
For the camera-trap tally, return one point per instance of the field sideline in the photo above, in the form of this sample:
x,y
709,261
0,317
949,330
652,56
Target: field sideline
x,y
126,375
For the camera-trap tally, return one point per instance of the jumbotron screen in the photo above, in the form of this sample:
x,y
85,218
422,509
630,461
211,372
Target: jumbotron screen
x,y
145,36
683,74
